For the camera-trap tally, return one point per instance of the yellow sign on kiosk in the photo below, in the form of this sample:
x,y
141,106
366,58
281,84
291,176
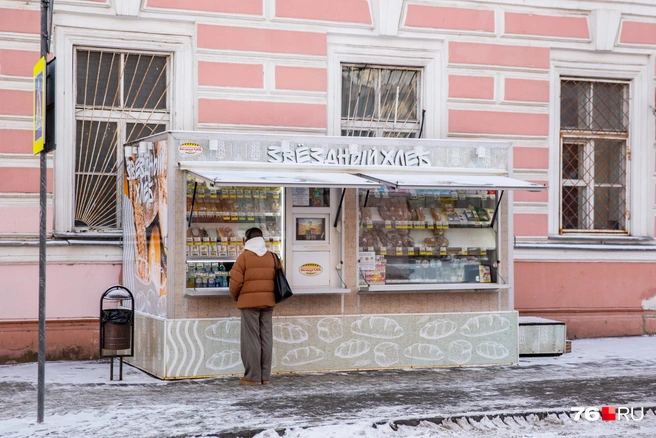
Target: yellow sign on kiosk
x,y
39,106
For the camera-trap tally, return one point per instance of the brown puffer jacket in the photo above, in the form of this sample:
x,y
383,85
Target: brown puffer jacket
x,y
251,280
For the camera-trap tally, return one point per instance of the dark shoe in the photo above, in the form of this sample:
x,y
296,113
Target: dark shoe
x,y
265,382
245,381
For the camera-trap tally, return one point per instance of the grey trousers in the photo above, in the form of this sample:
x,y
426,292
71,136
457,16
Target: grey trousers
x,y
256,343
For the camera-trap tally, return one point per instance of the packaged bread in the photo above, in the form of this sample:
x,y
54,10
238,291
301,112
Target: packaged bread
x,y
436,213
419,214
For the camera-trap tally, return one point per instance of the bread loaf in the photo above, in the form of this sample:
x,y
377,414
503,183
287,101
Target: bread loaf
x,y
330,329
289,333
484,325
352,348
386,354
492,350
440,328
460,351
224,360
302,356
225,331
377,327
426,352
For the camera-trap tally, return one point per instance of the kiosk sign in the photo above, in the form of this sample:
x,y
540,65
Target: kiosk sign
x,y
38,106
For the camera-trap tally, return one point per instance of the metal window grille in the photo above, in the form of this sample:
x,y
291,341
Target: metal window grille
x,y
594,134
120,96
380,101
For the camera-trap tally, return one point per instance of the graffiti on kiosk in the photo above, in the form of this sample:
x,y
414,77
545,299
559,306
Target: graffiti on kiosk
x,y
301,154
144,169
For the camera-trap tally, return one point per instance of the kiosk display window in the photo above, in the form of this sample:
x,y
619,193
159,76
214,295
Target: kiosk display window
x,y
432,236
218,219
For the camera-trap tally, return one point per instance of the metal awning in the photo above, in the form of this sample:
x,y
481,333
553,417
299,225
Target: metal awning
x,y
283,179
437,181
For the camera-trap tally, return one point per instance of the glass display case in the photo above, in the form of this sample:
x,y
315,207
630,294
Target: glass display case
x,y
427,237
217,221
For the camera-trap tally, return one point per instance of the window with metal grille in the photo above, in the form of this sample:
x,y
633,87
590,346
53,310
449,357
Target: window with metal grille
x,y
380,101
594,138
120,96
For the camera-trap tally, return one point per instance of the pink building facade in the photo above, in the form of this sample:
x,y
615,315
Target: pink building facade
x,y
570,86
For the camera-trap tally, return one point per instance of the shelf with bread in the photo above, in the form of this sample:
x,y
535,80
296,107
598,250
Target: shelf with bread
x,y
434,240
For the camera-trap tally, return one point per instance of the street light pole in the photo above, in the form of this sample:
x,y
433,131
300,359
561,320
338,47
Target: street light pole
x,y
42,237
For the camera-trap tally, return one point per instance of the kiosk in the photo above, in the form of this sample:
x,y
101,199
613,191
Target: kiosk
x,y
398,250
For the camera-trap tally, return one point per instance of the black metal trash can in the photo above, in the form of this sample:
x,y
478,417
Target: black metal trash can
x,y
116,326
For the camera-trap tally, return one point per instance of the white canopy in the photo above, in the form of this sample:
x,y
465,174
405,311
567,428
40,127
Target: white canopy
x,y
282,178
437,181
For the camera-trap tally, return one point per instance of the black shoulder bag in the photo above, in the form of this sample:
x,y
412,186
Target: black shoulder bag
x,y
281,290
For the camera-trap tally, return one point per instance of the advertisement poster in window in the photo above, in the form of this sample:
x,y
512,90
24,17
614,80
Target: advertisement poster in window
x,y
145,203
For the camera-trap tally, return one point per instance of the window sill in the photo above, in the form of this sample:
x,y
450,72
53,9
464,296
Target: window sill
x,y
638,244
430,288
598,238
89,238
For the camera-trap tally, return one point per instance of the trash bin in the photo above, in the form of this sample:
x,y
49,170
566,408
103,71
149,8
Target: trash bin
x,y
116,326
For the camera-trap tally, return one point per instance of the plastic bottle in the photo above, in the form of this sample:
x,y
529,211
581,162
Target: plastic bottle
x,y
222,276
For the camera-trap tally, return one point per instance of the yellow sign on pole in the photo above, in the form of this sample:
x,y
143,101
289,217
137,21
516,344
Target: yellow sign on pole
x,y
39,105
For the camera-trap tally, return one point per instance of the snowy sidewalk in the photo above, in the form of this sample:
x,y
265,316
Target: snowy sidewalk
x,y
81,401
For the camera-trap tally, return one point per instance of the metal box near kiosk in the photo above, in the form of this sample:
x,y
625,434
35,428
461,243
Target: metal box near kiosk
x,y
313,196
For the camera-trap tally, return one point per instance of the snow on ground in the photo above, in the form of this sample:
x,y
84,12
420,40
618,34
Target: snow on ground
x,y
82,402
553,426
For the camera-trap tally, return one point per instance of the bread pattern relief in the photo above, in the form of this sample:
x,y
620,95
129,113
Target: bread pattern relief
x,y
331,342
386,354
302,356
460,351
426,352
484,325
380,327
225,331
438,329
288,333
224,360
352,348
492,350
330,329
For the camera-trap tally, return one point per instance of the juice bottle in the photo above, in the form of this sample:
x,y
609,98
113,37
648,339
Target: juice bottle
x,y
222,276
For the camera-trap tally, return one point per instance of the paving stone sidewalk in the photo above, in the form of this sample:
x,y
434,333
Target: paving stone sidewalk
x,y
221,406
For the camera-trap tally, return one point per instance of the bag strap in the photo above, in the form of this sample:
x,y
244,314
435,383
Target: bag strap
x,y
276,260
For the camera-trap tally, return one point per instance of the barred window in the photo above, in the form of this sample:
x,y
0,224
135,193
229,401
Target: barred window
x,y
380,101
120,96
594,134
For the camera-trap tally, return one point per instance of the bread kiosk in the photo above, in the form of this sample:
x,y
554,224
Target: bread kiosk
x,y
398,250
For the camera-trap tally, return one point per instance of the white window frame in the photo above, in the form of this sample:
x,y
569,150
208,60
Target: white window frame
x,y
634,69
413,53
380,126
118,34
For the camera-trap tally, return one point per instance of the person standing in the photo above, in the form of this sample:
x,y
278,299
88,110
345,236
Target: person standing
x,y
251,286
